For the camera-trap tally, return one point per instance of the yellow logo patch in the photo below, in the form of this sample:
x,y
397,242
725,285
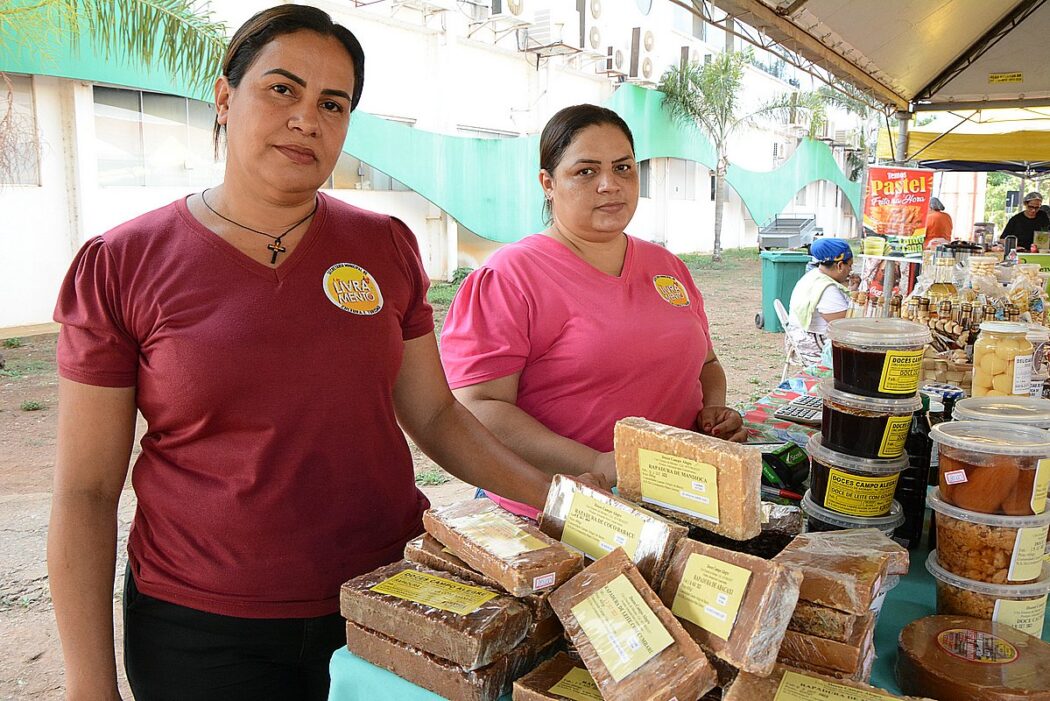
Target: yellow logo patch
x,y
671,290
353,289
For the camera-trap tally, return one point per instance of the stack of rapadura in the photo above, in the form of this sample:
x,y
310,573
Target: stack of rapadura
x,y
482,600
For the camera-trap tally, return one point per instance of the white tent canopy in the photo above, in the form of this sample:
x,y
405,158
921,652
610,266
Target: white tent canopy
x,y
913,54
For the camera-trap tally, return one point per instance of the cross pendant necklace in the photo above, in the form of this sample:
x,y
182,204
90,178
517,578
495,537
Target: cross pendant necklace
x,y
275,245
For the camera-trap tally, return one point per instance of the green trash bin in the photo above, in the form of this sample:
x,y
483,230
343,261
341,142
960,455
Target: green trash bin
x,y
780,271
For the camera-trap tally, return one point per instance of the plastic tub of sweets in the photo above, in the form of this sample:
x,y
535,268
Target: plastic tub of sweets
x,y
868,427
852,486
1022,606
877,357
992,467
989,547
1028,411
820,519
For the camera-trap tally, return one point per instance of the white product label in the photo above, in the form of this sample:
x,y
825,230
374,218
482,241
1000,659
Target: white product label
x,y
543,581
955,477
1022,374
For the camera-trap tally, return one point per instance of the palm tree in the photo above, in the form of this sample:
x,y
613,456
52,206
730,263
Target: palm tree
x,y
708,96
179,36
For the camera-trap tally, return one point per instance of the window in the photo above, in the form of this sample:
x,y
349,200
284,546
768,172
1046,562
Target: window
x,y
643,178
19,140
153,140
353,174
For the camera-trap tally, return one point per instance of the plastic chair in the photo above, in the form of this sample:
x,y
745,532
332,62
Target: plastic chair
x,y
792,356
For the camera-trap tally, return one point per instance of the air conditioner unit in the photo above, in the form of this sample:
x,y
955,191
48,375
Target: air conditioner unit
x,y
593,35
846,137
643,64
508,9
617,60
554,27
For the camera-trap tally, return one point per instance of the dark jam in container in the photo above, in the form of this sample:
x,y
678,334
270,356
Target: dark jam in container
x,y
866,427
877,357
852,486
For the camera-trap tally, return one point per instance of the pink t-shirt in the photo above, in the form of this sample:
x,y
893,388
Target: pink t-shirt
x,y
590,348
273,468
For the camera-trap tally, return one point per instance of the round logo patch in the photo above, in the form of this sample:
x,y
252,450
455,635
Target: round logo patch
x,y
671,290
976,646
353,289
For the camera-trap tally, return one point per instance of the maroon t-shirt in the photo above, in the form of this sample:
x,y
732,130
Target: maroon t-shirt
x,y
273,468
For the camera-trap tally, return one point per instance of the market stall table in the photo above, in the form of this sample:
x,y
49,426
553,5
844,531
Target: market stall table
x,y
354,679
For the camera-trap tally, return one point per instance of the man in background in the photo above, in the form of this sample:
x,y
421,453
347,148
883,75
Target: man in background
x,y
1029,220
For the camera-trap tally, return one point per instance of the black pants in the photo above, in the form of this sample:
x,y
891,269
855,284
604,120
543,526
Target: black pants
x,y
178,653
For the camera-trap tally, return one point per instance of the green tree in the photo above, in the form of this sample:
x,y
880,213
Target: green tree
x,y
708,96
178,36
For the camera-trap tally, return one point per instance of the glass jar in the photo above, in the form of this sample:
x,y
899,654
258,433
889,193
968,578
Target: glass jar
x,y
1002,361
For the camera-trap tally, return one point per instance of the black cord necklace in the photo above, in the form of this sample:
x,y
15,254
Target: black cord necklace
x,y
275,245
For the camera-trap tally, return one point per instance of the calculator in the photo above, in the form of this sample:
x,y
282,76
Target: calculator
x,y
807,409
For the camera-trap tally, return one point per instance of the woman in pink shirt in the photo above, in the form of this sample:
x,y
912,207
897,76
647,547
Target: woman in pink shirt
x,y
562,334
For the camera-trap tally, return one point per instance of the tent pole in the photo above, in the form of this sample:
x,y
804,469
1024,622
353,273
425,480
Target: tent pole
x,y
904,118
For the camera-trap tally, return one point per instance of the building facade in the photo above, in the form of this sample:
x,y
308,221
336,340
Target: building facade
x,y
446,136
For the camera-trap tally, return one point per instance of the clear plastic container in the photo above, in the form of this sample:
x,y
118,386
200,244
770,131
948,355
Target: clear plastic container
x,y
868,427
1002,360
820,519
989,547
992,467
851,485
877,357
1028,411
1022,606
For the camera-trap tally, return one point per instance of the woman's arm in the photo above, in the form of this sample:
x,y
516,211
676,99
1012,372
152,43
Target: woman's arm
x,y
446,431
96,427
716,419
495,404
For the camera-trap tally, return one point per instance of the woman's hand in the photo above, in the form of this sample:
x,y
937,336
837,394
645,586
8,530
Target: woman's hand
x,y
721,422
605,467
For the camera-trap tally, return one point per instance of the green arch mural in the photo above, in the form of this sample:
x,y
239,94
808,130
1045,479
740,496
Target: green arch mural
x,y
489,186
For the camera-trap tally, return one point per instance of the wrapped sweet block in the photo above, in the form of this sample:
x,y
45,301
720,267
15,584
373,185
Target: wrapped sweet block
x,y
851,659
823,622
429,552
704,481
595,522
957,657
558,678
508,549
436,612
863,541
630,642
835,575
433,673
736,606
787,684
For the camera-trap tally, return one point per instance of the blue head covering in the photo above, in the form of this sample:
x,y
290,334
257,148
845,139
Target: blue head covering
x,y
826,251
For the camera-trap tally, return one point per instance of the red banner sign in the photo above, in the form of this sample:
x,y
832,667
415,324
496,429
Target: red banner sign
x,y
896,200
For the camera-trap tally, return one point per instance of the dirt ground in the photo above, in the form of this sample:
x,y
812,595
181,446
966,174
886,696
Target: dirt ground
x,y
31,658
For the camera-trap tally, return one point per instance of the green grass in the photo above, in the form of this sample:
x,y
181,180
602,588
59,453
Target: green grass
x,y
732,259
24,368
441,293
13,342
31,405
432,476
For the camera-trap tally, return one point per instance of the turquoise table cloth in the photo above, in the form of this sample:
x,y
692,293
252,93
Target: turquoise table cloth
x,y
354,679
